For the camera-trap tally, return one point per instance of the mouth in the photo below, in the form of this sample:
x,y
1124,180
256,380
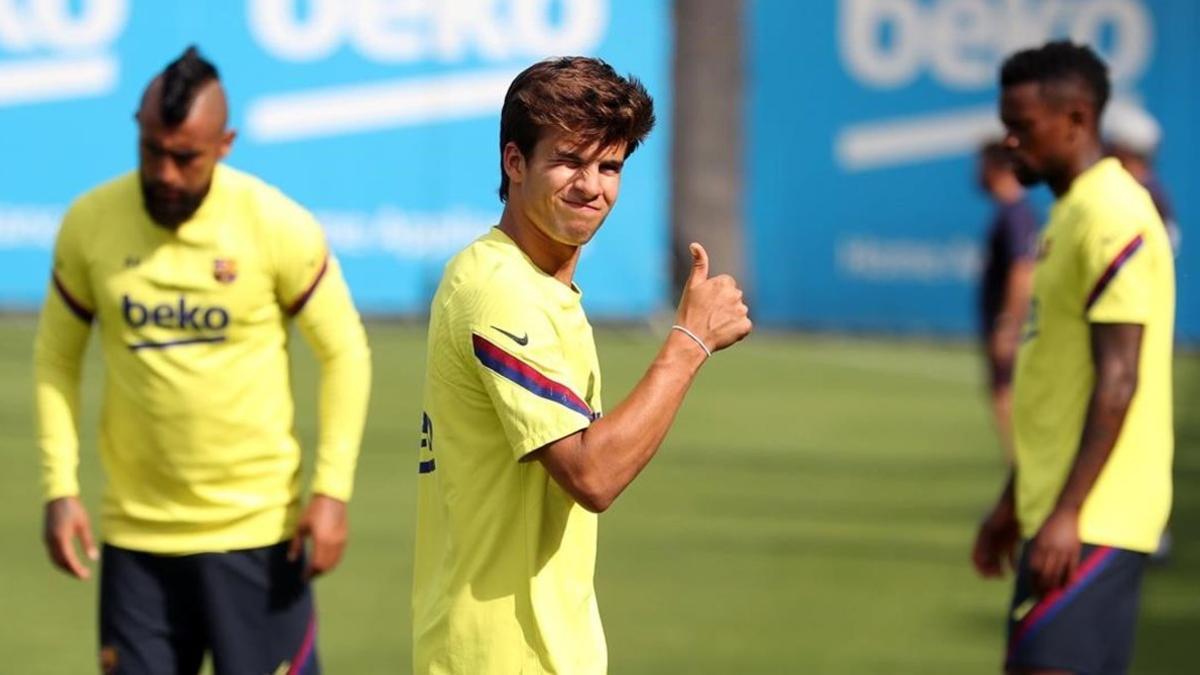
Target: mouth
x,y
586,207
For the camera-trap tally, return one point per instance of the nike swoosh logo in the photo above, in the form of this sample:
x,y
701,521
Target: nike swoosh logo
x,y
521,340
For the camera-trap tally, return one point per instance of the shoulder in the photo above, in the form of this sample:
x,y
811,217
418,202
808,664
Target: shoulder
x,y
113,200
269,207
484,271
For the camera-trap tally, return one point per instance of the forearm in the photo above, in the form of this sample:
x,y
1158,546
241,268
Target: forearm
x,y
610,453
335,332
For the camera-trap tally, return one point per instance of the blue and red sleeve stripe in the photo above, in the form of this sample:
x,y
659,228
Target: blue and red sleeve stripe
x,y
524,375
77,308
299,303
1111,271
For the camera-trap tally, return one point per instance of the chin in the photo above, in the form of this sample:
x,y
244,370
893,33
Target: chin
x,y
1027,177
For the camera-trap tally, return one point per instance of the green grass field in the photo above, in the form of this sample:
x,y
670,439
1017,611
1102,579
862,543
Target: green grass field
x,y
811,512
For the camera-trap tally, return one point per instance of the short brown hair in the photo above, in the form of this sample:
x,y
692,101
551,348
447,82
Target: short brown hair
x,y
582,96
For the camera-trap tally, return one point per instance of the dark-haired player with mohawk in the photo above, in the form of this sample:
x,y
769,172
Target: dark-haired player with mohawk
x,y
516,459
1091,486
193,272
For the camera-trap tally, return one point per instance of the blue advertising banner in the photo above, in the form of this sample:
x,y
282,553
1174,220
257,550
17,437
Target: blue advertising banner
x,y
381,116
865,116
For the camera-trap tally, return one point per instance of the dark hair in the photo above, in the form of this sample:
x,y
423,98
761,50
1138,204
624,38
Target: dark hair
x,y
1057,63
181,79
582,96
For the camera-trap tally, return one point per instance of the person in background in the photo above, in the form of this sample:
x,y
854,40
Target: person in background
x,y
1007,278
1133,136
193,273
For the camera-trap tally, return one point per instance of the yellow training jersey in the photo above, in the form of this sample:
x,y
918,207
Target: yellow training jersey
x,y
1103,258
504,556
196,422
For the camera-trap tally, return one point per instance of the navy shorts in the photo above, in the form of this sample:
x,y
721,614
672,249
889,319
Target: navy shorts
x,y
252,610
1085,627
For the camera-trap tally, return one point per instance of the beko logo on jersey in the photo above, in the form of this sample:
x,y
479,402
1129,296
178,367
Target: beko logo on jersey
x,y
174,316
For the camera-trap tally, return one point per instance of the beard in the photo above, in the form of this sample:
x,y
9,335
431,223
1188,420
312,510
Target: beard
x,y
170,208
1026,176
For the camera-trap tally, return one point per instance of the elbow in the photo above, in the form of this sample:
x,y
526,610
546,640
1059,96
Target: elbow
x,y
1118,392
592,496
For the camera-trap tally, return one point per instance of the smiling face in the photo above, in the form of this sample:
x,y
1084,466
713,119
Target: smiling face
x,y
564,189
176,163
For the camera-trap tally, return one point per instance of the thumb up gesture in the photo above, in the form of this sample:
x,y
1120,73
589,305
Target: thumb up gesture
x,y
712,308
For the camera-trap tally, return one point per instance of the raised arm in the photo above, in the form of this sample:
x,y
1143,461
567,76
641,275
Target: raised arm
x,y
598,463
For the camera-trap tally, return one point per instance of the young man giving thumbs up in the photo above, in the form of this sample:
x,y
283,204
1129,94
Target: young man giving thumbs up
x,y
516,460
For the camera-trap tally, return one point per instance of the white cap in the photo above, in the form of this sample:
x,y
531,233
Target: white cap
x,y
1128,125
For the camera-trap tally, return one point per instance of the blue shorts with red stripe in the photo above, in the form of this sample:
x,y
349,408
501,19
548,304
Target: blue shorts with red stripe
x,y
1085,627
252,610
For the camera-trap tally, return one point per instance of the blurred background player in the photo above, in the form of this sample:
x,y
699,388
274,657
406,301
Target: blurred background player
x,y
1007,278
1133,136
1092,416
516,459
193,272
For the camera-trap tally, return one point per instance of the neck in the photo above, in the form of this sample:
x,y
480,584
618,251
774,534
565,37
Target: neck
x,y
552,257
1083,161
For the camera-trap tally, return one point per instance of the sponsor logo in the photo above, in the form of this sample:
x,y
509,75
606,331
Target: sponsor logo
x,y
521,340
958,45
225,270
59,49
174,316
493,33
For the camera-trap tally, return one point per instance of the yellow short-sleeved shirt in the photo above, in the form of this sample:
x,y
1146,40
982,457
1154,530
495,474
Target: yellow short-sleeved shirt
x,y
196,427
1104,257
504,556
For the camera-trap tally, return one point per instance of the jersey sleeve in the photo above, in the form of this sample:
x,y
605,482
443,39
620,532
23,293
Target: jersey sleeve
x,y
62,334
514,348
310,287
1117,270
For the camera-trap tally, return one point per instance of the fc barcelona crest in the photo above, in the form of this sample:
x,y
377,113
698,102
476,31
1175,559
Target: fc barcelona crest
x,y
224,270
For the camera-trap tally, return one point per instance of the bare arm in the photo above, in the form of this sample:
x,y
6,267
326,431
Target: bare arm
x,y
597,464
1002,347
996,541
1115,354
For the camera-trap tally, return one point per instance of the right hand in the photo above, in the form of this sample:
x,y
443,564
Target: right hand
x,y
65,519
712,309
996,543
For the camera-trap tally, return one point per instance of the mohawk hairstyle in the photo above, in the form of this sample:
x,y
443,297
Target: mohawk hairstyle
x,y
1059,62
582,96
182,78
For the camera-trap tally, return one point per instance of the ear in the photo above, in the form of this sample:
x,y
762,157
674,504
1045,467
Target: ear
x,y
513,162
227,139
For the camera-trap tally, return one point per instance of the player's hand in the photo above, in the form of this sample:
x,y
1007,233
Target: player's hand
x,y
326,523
712,309
996,543
1054,552
64,520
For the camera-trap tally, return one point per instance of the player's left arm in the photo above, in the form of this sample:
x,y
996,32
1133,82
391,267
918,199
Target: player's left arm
x,y
1118,265
1116,348
313,291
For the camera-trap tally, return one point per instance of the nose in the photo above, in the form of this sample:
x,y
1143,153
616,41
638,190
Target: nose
x,y
165,170
1010,140
587,182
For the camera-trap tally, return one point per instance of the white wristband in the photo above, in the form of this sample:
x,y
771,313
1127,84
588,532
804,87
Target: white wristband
x,y
681,329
